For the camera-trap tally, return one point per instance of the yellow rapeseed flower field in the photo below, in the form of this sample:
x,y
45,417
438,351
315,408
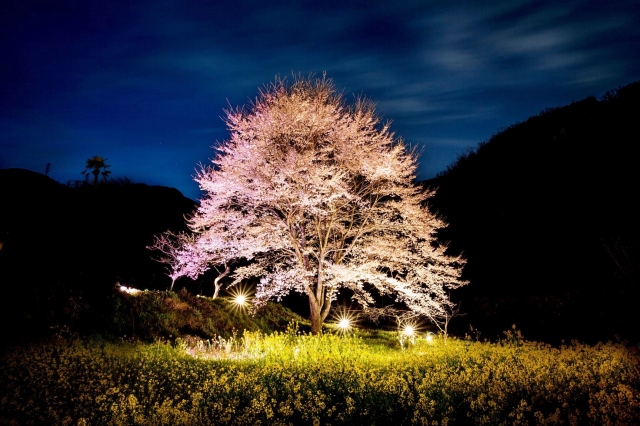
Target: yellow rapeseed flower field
x,y
296,379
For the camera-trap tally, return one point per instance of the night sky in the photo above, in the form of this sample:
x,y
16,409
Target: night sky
x,y
144,83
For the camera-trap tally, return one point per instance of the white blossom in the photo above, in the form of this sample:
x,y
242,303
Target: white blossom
x,y
315,195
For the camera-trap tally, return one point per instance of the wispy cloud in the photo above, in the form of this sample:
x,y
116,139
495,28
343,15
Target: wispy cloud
x,y
448,74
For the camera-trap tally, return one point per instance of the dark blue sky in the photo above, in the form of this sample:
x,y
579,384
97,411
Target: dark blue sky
x,y
144,83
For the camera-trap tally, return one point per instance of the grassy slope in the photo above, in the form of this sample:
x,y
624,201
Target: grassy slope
x,y
156,315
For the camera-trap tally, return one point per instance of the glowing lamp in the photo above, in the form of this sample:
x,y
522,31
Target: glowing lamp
x,y
429,337
240,298
129,290
344,324
344,320
408,331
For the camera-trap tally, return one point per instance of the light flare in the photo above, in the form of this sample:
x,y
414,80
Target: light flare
x,y
129,290
240,297
344,324
408,331
344,320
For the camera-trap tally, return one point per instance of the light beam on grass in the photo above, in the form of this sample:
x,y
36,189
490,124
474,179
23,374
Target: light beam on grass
x,y
129,290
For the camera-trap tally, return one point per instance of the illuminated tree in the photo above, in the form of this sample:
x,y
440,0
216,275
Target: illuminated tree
x,y
183,258
176,252
96,166
442,317
315,195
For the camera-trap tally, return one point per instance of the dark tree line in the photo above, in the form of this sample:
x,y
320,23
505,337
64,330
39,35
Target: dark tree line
x,y
546,212
64,248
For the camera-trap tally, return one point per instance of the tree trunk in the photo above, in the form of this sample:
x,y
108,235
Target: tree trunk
x,y
318,313
315,317
318,303
216,282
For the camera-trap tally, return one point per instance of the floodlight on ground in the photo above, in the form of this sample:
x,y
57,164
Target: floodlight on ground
x,y
240,297
129,290
408,331
344,320
344,324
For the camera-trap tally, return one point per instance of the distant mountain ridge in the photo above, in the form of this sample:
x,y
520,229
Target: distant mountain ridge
x,y
547,209
108,221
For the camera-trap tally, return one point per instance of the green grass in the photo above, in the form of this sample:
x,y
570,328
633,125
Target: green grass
x,y
157,315
290,377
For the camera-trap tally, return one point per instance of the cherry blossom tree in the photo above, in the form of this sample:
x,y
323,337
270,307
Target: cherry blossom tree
x,y
315,195
178,252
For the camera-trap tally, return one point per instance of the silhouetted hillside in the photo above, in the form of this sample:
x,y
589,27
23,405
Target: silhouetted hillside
x,y
546,212
66,247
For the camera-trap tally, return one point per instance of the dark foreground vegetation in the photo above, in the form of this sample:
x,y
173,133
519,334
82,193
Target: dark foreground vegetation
x,y
64,248
546,213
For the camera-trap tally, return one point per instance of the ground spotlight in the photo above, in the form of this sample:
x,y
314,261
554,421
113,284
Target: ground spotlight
x,y
344,320
240,300
129,290
240,297
408,329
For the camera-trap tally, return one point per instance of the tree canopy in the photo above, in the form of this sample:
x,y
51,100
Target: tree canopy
x,y
96,166
312,194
